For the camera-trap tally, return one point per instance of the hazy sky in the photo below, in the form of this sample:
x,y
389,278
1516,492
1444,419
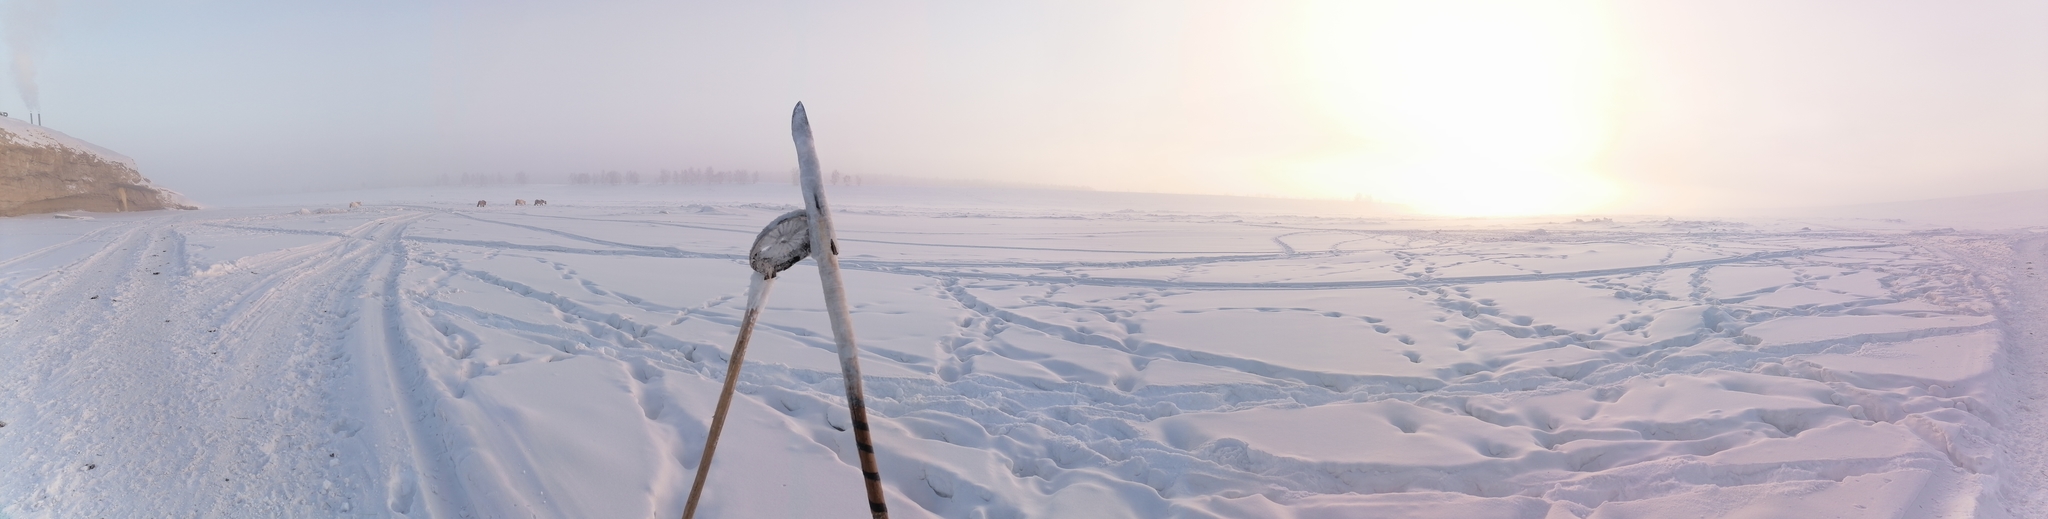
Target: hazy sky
x,y
1452,106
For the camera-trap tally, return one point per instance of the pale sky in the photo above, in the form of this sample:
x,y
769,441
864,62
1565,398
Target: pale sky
x,y
1449,106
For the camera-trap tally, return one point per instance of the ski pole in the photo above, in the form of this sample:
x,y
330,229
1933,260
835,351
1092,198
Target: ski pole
x,y
826,251
755,292
780,245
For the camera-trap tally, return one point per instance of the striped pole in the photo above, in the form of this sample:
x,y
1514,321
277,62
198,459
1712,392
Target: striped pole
x,y
826,251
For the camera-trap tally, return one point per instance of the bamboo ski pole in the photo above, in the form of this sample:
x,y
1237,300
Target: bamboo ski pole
x,y
757,293
781,244
826,251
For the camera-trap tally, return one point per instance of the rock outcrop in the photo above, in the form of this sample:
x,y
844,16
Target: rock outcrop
x,y
43,170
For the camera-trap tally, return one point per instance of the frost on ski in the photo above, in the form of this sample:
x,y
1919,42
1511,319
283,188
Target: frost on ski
x,y
1028,360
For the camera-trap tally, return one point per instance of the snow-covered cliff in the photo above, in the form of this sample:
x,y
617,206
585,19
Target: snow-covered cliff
x,y
43,170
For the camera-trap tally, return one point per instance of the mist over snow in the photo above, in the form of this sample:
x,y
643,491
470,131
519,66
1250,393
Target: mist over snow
x,y
1584,106
1576,259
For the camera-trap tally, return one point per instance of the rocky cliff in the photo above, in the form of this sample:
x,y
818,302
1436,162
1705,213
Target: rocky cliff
x,y
43,170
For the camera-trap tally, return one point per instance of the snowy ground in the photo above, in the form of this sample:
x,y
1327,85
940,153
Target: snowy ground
x,y
1038,355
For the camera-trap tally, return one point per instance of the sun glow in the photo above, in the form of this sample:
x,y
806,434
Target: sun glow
x,y
1461,107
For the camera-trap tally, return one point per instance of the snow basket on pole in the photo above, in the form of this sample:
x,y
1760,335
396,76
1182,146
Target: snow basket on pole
x,y
781,245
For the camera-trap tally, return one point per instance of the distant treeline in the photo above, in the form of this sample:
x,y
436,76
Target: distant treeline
x,y
694,177
713,176
687,177
482,179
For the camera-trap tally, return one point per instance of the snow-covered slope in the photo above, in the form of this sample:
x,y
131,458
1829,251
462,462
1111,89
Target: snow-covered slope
x,y
43,170
421,357
23,133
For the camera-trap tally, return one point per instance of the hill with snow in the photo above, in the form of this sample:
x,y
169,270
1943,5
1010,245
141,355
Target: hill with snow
x,y
43,170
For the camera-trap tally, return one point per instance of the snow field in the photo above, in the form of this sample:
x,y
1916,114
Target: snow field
x,y
431,360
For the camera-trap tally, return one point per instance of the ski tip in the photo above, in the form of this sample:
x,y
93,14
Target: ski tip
x,y
798,122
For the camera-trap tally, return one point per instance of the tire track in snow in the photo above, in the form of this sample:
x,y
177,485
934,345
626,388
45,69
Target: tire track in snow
x,y
33,292
1049,431
229,378
1422,280
974,331
1283,246
418,453
1068,460
1325,382
88,236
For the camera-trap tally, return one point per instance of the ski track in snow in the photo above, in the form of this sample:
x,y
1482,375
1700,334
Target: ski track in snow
x,y
423,361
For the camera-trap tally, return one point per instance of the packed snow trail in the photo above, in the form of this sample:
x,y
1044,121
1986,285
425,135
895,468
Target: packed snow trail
x,y
425,359
2027,441
2019,268
136,387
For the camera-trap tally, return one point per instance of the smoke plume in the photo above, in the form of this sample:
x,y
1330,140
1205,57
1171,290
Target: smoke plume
x,y
25,24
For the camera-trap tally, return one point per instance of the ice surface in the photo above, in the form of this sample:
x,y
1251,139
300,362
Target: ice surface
x,y
1028,355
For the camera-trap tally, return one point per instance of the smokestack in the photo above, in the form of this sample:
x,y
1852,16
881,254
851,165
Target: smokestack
x,y
24,25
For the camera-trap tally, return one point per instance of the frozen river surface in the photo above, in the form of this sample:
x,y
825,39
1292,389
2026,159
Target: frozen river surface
x,y
426,358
